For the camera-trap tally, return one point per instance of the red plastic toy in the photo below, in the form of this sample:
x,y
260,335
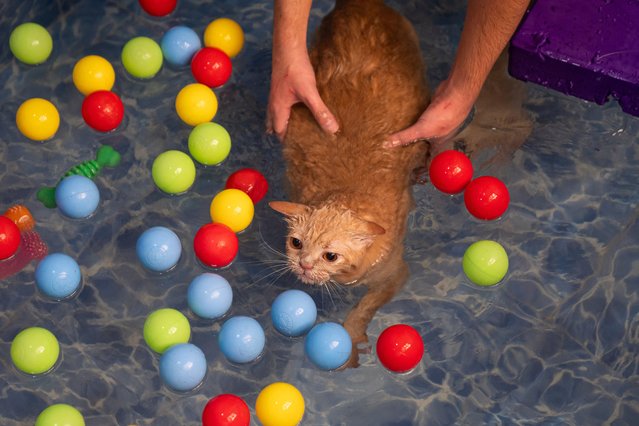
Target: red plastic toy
x,y
226,410
158,7
215,245
9,238
486,198
250,181
450,171
400,348
103,110
211,66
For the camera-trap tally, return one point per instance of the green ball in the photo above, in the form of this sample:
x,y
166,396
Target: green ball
x,y
35,350
173,172
164,328
485,263
209,143
60,415
31,43
142,57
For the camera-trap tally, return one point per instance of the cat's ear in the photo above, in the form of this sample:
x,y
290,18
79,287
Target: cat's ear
x,y
289,209
368,232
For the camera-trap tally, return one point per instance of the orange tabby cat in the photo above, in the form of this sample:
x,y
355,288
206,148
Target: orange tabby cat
x,y
352,196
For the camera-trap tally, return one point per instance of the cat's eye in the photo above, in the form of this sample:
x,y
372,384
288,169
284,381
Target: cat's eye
x,y
295,243
330,257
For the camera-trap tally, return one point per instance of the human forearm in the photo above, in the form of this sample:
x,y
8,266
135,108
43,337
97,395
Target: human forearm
x,y
290,24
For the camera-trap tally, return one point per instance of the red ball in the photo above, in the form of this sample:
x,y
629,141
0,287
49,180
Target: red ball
x,y
158,7
400,348
103,110
226,410
450,171
216,245
486,198
211,66
9,238
250,181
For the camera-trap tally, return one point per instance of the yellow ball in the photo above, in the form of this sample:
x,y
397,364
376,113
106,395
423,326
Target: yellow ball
x,y
196,104
226,35
38,119
93,73
280,404
233,208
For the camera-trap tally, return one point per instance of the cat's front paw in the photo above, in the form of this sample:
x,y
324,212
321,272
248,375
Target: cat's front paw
x,y
360,347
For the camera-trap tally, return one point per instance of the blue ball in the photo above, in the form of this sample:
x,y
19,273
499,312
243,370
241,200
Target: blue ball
x,y
241,339
293,313
209,295
179,44
158,249
58,276
328,345
183,367
77,196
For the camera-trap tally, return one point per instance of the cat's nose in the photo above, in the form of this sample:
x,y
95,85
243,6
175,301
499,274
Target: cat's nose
x,y
306,266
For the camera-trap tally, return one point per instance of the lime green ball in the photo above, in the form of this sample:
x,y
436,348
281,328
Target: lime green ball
x,y
60,415
485,263
142,57
35,350
31,43
173,172
209,143
166,327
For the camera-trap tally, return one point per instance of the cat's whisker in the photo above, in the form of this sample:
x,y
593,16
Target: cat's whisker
x,y
276,269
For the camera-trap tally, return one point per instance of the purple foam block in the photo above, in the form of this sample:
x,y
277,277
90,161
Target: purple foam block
x,y
588,49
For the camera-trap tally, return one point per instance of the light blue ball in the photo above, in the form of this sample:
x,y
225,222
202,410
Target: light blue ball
x,y
293,313
183,367
328,345
77,196
158,249
241,339
209,295
179,44
58,276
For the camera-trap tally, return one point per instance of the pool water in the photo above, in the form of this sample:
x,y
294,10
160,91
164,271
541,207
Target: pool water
x,y
556,343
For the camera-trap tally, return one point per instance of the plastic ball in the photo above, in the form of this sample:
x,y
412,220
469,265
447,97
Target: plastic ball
x,y
142,57
196,103
226,410
183,367
209,296
60,415
209,143
328,345
93,73
31,43
233,208
158,8
293,313
77,196
241,339
225,34
173,172
211,66
485,262
159,249
35,350
486,198
250,181
280,404
164,328
38,119
179,44
103,110
58,276
450,171
400,348
215,245
9,238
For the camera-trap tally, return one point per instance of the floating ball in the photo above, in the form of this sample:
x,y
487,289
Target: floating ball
x,y
209,296
9,238
226,410
328,345
195,104
31,43
103,110
241,339
164,328
485,262
179,44
60,415
173,172
183,367
77,196
400,348
159,249
93,73
226,35
293,313
209,143
215,245
58,276
35,350
250,181
158,8
233,208
450,171
38,119
142,57
280,404
486,198
211,66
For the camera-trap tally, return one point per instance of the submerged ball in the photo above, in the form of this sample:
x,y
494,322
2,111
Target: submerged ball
x,y
209,296
293,313
233,208
77,196
485,262
93,73
215,245
450,171
241,339
179,44
60,415
328,345
400,348
183,367
280,404
9,238
31,43
211,67
164,328
35,350
103,110
58,276
226,410
209,143
142,57
158,8
196,103
38,119
159,249
486,198
173,172
250,181
225,34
